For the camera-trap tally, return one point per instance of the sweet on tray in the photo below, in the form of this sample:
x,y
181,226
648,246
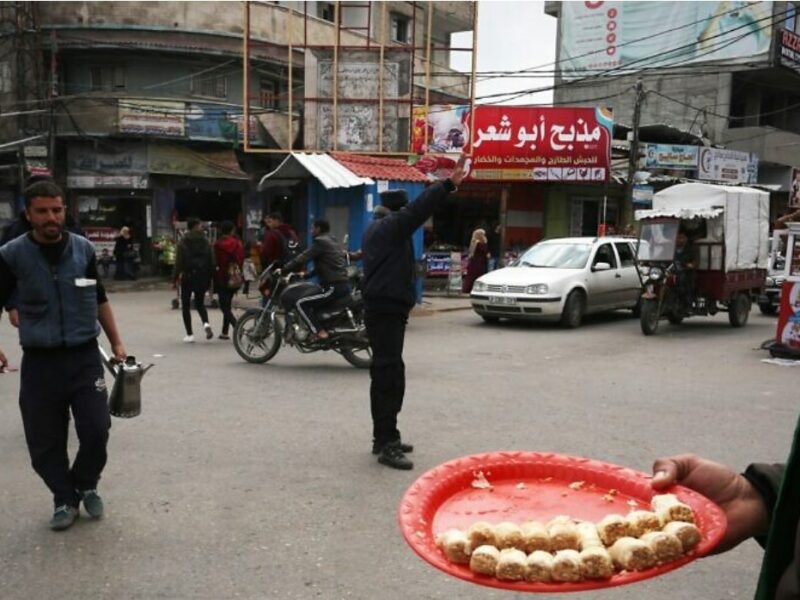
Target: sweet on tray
x,y
567,550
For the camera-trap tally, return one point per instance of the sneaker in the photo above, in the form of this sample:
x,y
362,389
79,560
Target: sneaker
x,y
406,448
63,517
188,339
392,456
92,503
209,333
223,336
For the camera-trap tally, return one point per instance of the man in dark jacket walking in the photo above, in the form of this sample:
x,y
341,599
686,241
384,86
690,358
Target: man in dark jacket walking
x,y
330,267
389,295
194,267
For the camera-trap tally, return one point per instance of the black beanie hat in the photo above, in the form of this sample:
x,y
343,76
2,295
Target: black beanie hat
x,y
394,199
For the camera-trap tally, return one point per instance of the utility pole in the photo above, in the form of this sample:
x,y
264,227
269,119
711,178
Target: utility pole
x,y
633,152
51,146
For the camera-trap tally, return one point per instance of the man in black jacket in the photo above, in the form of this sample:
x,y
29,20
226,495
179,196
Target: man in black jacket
x,y
389,295
331,269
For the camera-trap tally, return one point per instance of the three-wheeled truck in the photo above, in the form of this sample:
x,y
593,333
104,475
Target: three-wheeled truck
x,y
703,249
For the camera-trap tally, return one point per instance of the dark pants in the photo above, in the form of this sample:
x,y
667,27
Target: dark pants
x,y
198,290
225,296
388,373
308,306
52,383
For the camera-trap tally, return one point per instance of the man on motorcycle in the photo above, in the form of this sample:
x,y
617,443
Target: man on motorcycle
x,y
330,267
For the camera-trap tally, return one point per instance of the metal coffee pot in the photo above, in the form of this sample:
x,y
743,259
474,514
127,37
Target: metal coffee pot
x,y
125,400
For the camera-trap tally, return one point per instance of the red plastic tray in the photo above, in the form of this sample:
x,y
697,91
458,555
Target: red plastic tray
x,y
444,497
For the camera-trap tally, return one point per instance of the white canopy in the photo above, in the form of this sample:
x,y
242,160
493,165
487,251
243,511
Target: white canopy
x,y
327,170
737,215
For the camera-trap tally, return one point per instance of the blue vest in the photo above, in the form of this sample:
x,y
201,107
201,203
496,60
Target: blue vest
x,y
57,304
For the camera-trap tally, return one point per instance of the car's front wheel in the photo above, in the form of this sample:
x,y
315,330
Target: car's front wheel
x,y
574,307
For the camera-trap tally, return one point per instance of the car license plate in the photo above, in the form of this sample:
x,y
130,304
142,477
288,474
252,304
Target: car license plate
x,y
502,300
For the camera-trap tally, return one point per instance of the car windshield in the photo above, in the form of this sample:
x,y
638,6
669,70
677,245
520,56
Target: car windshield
x,y
556,256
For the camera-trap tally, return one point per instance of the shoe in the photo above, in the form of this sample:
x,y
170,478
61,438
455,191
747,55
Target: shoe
x,y
92,503
406,448
392,456
209,333
223,336
63,517
188,339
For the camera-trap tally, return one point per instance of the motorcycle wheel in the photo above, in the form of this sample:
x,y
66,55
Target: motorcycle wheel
x,y
360,358
253,346
649,316
768,309
739,310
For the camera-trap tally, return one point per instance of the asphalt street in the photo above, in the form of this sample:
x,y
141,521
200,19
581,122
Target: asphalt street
x,y
250,481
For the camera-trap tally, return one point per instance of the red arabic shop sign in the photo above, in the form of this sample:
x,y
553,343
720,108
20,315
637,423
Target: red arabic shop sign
x,y
518,143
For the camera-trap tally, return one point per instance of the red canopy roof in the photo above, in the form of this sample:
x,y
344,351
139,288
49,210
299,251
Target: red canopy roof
x,y
374,167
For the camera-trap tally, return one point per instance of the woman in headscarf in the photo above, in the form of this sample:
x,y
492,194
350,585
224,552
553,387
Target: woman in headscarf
x,y
478,261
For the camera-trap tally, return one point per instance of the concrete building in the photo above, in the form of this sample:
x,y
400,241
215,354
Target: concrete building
x,y
729,79
140,111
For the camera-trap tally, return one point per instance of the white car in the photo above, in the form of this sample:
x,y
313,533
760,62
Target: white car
x,y
562,279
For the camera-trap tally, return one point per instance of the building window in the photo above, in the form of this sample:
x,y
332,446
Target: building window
x,y
327,11
210,85
400,28
106,78
268,93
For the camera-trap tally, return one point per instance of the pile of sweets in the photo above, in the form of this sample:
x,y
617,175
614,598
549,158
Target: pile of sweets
x,y
568,551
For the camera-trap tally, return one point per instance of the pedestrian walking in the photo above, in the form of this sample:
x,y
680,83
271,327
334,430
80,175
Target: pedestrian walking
x,y
477,261
277,239
389,295
60,300
124,256
228,276
194,267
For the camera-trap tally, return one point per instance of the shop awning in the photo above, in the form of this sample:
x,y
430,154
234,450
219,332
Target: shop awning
x,y
679,213
324,168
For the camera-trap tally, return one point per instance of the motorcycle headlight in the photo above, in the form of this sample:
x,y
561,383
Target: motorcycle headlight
x,y
655,274
769,282
536,289
479,286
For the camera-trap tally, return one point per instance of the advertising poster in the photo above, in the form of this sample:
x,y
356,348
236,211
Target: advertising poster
x,y
447,128
601,35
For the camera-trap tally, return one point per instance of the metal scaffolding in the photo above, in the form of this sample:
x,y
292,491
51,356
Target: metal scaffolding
x,y
354,78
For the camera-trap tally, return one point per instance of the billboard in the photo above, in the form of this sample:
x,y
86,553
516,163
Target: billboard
x,y
596,36
789,50
727,166
537,143
151,117
670,156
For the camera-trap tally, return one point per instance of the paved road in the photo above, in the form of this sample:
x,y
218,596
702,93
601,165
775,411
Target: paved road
x,y
243,481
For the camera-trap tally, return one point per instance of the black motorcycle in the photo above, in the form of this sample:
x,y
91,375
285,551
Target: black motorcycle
x,y
259,333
